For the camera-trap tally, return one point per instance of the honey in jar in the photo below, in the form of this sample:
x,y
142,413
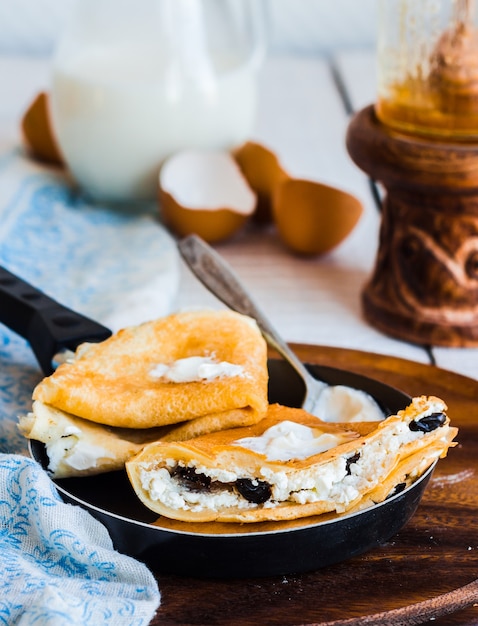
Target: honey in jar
x,y
428,68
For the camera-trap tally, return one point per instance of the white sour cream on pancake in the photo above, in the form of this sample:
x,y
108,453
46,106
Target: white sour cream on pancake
x,y
290,440
196,368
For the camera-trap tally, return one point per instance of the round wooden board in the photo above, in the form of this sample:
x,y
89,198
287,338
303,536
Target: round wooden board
x,y
435,554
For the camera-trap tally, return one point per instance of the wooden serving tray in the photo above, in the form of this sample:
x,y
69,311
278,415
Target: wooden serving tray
x,y
419,574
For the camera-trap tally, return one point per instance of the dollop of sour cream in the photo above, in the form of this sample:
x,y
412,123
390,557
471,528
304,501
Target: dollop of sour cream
x,y
289,440
339,403
196,368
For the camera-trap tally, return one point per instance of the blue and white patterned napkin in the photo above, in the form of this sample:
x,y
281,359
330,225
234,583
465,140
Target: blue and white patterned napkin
x,y
116,265
58,565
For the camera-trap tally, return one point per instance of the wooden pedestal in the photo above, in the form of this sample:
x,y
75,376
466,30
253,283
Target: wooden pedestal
x,y
424,287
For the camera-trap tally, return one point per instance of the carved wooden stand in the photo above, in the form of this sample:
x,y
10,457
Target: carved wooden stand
x,y
424,287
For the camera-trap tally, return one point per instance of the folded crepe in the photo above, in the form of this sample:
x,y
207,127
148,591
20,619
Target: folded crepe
x,y
289,465
198,370
77,447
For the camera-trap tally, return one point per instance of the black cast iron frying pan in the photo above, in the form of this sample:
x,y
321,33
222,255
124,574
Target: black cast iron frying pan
x,y
206,550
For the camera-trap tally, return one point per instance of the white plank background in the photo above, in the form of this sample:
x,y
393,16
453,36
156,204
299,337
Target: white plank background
x,y
314,301
321,27
294,26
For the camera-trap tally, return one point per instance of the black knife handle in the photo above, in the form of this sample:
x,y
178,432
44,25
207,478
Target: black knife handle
x,y
47,325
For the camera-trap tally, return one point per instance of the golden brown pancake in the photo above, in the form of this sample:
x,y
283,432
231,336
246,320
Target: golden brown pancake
x,y
77,447
254,474
116,382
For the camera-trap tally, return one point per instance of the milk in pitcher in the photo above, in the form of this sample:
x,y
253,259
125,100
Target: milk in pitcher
x,y
119,113
135,82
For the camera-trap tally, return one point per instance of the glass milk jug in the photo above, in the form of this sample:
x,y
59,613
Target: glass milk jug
x,y
135,81
428,67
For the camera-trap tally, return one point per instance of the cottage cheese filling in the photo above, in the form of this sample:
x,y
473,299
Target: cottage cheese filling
x,y
338,481
69,449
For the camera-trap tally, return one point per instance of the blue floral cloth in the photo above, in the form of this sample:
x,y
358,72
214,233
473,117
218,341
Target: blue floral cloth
x,y
58,563
116,265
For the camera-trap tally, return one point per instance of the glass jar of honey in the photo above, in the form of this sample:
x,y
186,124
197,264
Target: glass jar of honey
x,y
428,68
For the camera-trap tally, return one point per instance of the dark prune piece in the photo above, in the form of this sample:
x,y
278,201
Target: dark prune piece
x,y
257,491
428,423
194,480
352,459
397,489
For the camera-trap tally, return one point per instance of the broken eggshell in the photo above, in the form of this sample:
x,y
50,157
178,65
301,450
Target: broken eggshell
x,y
204,192
264,173
37,131
313,218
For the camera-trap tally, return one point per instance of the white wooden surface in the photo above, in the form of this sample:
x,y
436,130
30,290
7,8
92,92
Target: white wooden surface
x,y
321,27
313,301
294,26
302,118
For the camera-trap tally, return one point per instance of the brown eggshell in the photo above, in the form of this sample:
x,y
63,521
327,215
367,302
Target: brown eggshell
x,y
205,193
38,132
212,226
263,172
313,218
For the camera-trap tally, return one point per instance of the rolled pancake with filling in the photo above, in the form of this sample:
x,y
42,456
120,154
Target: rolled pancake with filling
x,y
289,465
126,380
403,476
77,447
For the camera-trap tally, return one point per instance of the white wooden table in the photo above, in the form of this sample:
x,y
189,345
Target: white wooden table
x,y
303,117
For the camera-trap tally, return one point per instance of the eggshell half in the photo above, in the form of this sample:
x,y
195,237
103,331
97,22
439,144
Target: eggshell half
x,y
263,172
204,192
313,218
38,132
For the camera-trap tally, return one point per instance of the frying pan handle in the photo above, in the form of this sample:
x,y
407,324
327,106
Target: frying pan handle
x,y
47,325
